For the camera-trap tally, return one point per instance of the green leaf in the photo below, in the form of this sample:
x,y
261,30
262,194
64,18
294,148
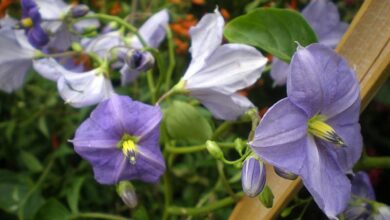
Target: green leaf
x,y
273,30
31,162
185,123
72,197
13,189
266,197
52,209
42,125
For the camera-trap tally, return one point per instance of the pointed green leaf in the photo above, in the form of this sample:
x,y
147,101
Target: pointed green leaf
x,y
273,30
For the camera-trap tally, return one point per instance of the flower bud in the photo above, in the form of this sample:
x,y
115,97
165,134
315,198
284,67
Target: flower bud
x,y
214,150
285,174
127,193
139,60
79,11
253,176
112,26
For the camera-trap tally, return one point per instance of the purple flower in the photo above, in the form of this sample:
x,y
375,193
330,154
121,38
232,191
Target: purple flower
x,y
217,71
120,140
253,176
324,18
15,59
31,21
315,132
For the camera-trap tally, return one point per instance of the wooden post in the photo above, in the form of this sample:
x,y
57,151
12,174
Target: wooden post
x,y
366,46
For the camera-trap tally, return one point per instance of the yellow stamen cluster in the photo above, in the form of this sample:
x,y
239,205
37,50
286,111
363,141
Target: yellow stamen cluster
x,y
129,149
318,128
27,22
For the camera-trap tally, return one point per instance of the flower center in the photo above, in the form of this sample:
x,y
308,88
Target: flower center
x,y
319,128
27,22
129,147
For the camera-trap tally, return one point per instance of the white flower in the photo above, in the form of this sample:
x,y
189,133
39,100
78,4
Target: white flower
x,y
84,89
218,71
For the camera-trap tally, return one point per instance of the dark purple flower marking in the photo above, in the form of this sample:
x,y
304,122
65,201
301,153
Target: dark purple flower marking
x,y
315,132
121,141
31,21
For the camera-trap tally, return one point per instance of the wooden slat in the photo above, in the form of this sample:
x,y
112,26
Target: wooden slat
x,y
366,46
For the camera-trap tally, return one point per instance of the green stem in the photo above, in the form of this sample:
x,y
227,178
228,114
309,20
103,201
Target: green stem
x,y
95,215
35,188
224,181
172,61
152,88
167,188
226,125
109,18
176,210
366,163
193,149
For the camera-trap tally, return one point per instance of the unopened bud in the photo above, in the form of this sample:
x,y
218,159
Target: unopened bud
x,y
79,11
214,150
285,174
127,193
139,60
253,176
239,145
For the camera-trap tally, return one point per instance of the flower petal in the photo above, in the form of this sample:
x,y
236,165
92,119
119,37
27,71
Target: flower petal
x,y
52,9
332,38
104,43
231,67
15,59
226,106
361,186
280,138
322,15
48,68
321,81
84,89
347,156
153,30
206,36
279,71
325,181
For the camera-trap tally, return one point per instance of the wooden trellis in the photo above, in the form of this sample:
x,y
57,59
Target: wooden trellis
x,y
366,46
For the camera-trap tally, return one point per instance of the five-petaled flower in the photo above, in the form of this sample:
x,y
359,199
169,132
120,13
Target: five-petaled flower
x,y
315,132
121,141
217,71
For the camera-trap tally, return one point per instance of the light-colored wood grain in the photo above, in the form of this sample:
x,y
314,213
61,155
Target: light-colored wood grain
x,y
366,46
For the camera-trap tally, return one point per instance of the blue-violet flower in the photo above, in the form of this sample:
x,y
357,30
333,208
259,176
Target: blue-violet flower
x,y
315,132
120,140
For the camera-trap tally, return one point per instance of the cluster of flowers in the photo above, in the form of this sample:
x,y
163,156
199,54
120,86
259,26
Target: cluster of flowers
x,y
313,133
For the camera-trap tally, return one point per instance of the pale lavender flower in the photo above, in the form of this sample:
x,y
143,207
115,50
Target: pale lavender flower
x,y
120,140
324,18
315,132
253,176
84,89
15,59
217,71
7,23
56,13
136,62
152,31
